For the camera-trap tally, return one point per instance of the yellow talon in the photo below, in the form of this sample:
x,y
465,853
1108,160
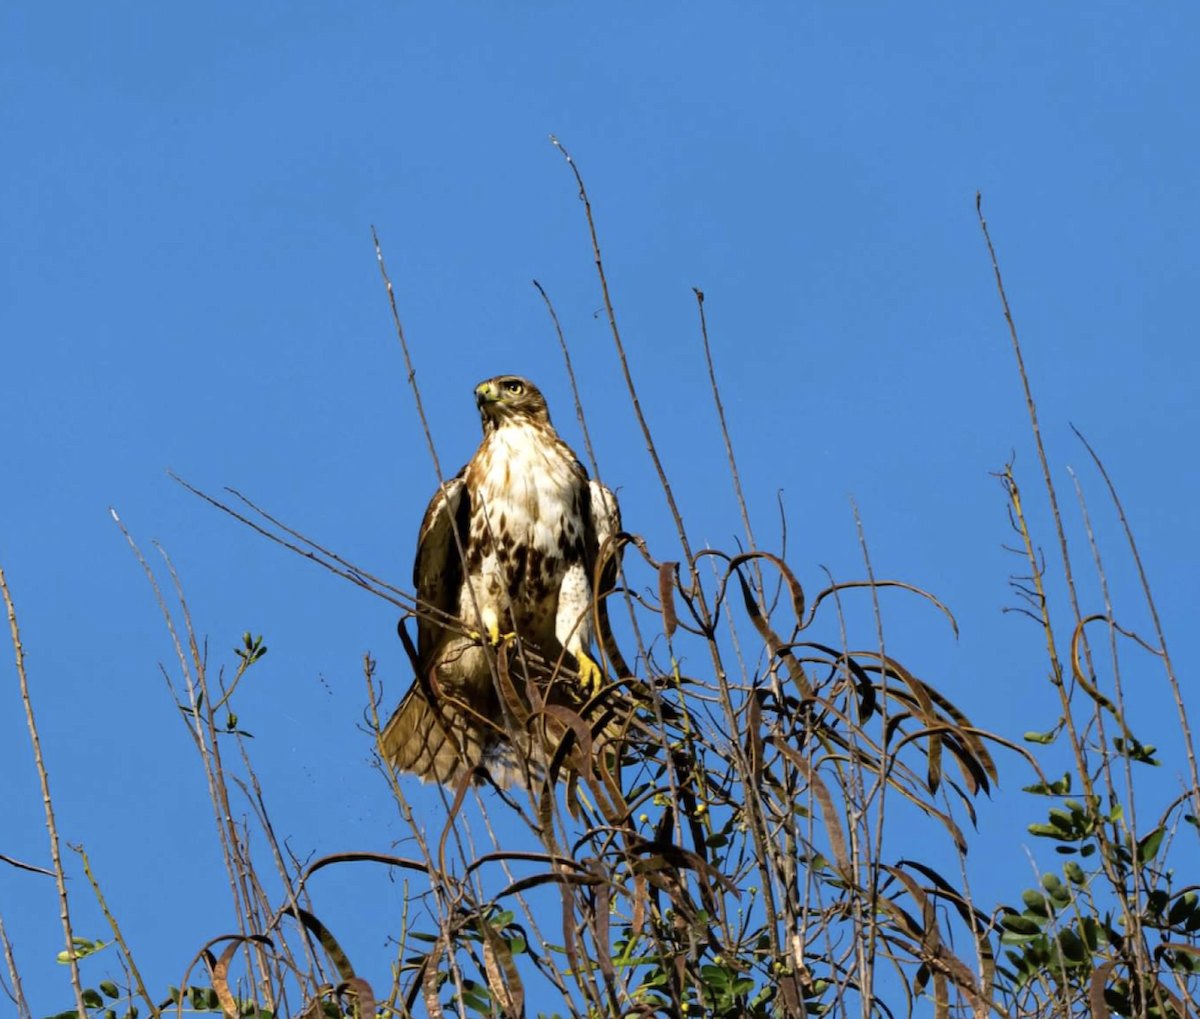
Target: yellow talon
x,y
590,674
494,636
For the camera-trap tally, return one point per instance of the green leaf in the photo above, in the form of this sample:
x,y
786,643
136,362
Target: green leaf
x,y
109,989
1059,788
81,949
91,997
476,1003
1075,873
1022,925
1181,908
1136,751
1093,933
1035,903
1040,737
1148,847
1182,962
1049,831
1063,819
1072,948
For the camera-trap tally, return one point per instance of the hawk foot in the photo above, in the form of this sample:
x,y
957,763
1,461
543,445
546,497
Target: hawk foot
x,y
493,637
591,676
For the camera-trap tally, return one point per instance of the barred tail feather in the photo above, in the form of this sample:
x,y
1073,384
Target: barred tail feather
x,y
415,740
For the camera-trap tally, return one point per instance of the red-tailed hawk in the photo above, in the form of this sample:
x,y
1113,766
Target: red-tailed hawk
x,y
529,527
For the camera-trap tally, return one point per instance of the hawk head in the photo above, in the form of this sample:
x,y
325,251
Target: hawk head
x,y
510,399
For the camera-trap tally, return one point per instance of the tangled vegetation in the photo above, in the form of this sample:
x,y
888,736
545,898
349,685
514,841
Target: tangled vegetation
x,y
712,836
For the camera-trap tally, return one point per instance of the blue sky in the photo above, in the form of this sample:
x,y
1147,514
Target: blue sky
x,y
188,282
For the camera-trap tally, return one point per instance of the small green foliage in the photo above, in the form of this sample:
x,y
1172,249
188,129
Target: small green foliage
x,y
201,999
1136,751
1148,847
1184,911
81,949
1060,788
476,997
252,649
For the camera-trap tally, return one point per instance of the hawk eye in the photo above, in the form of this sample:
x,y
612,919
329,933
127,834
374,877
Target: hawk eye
x,y
513,387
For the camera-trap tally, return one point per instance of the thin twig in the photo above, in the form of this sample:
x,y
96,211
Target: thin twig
x,y
60,876
733,468
1189,746
18,995
562,342
25,866
616,333
1031,407
112,922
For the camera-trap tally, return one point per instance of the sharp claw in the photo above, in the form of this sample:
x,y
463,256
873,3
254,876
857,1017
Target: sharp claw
x,y
493,636
591,676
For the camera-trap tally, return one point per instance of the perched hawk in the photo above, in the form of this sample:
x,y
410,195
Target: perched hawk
x,y
529,526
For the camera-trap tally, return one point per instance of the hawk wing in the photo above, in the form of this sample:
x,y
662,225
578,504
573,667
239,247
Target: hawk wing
x,y
606,522
431,739
438,568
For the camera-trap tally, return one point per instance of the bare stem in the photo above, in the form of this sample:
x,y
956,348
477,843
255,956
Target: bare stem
x,y
1031,407
1189,746
612,322
18,995
59,875
112,922
562,342
733,468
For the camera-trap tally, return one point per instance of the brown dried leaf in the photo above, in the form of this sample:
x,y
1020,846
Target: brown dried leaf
x,y
794,589
666,597
504,981
833,826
